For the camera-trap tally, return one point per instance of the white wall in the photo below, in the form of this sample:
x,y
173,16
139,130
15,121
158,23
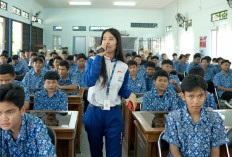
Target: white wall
x,y
117,18
25,5
200,12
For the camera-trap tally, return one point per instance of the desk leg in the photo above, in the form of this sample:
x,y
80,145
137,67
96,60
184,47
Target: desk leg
x,y
78,136
71,152
136,140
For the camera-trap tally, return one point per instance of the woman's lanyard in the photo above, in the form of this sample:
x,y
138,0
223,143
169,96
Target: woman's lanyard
x,y
109,80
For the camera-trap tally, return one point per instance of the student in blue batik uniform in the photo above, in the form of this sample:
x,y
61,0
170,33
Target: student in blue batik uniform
x,y
106,76
51,98
56,63
222,81
141,69
195,62
194,130
160,98
33,56
21,134
181,67
7,75
81,62
173,83
3,58
210,102
135,83
20,67
150,69
67,81
174,61
72,65
23,57
218,65
34,78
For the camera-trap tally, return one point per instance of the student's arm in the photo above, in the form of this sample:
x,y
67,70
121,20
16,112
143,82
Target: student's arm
x,y
72,87
36,102
173,81
26,105
215,152
92,70
174,151
144,88
64,105
224,89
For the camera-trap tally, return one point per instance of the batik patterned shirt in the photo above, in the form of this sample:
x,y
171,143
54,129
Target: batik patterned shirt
x,y
138,85
224,80
149,82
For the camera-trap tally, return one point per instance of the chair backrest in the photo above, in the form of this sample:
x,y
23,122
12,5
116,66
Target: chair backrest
x,y
216,96
52,135
162,144
229,136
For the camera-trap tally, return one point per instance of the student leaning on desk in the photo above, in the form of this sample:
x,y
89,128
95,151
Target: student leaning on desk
x,y
21,134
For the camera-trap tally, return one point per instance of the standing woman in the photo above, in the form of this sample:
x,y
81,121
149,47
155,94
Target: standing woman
x,y
106,76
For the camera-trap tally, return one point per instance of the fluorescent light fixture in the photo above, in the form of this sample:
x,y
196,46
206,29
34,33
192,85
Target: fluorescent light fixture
x,y
79,3
125,3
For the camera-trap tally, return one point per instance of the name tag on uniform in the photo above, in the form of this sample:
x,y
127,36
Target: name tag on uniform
x,y
106,105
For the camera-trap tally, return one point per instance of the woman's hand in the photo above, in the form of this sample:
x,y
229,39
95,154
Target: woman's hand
x,y
104,52
133,99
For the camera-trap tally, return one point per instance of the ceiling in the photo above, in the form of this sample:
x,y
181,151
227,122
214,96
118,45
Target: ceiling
x,y
140,4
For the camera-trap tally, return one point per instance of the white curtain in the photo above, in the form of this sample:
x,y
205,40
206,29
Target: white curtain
x,y
187,42
169,44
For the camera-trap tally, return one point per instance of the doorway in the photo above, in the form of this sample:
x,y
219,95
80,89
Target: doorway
x,y
79,44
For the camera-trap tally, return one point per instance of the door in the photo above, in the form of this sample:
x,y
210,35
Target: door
x,y
79,44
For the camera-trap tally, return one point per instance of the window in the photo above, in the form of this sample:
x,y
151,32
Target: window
x,y
214,43
16,11
57,44
25,14
2,34
187,42
3,5
168,28
219,16
16,37
169,44
57,28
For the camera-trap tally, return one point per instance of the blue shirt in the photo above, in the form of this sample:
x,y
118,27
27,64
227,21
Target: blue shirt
x,y
181,68
138,85
26,90
153,102
80,78
172,86
71,79
220,79
33,140
191,65
149,82
58,102
209,74
195,140
73,68
175,63
217,69
141,71
20,68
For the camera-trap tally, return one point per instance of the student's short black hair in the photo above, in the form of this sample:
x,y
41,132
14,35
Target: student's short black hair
x,y
197,55
53,53
154,57
167,61
64,52
150,64
218,59
70,57
43,58
225,61
181,56
81,55
187,55
4,55
138,56
214,59
160,73
133,54
15,57
7,69
193,82
58,58
174,54
128,55
51,75
13,93
76,55
42,53
91,51
208,58
22,51
38,59
204,59
197,71
50,62
64,63
131,62
34,54
5,52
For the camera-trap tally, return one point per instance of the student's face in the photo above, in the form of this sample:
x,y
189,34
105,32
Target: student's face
x,y
22,55
3,60
164,57
38,65
6,78
225,66
197,60
128,58
143,57
15,62
149,59
54,55
204,63
161,83
64,56
219,62
63,71
194,99
56,63
32,57
155,60
138,60
27,54
91,54
183,59
150,71
110,41
132,69
70,62
10,116
81,62
167,67
50,85
174,57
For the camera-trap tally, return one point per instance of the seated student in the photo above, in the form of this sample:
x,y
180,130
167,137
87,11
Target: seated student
x,y
222,81
67,81
181,67
75,57
210,66
160,98
45,64
155,59
209,74
3,58
20,67
143,60
173,83
64,55
195,62
21,134
140,68
51,98
53,54
194,130
81,62
150,70
34,78
149,58
27,56
7,75
209,101
174,61
56,63
128,57
163,57
23,57
218,65
91,53
72,65
135,83
33,55
50,63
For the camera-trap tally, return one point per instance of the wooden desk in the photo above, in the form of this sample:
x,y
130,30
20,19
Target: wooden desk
x,y
65,131
147,137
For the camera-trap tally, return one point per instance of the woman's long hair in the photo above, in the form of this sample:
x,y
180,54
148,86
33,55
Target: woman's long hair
x,y
118,53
